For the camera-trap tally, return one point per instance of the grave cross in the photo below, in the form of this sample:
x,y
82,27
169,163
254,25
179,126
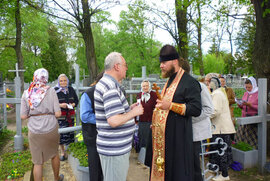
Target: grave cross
x,y
16,70
18,138
261,120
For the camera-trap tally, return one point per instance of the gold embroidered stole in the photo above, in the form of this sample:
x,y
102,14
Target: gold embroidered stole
x,y
158,130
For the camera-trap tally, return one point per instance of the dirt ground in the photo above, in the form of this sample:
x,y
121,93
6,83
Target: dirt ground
x,y
137,171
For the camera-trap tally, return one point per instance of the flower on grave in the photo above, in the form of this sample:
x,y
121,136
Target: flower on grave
x,y
8,90
14,174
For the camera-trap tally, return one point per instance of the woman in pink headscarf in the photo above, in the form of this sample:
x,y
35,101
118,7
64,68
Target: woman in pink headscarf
x,y
39,104
249,106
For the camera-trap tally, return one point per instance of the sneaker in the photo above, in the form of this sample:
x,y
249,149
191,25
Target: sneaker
x,y
221,178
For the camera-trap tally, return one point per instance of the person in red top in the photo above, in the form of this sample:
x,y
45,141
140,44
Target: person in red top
x,y
148,99
249,106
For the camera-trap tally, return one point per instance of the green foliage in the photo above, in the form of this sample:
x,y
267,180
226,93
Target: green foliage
x,y
132,38
79,151
34,38
245,45
212,64
5,136
55,58
25,130
242,146
7,62
15,164
239,92
237,111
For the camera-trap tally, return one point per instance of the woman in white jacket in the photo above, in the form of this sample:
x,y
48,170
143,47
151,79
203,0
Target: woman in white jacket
x,y
223,128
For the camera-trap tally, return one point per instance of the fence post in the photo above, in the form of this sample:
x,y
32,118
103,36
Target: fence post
x,y
18,138
262,127
77,83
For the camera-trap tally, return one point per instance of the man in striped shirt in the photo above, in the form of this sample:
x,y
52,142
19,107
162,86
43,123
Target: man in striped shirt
x,y
114,120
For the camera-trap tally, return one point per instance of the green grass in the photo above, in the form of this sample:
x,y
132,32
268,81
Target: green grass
x,y
5,136
13,164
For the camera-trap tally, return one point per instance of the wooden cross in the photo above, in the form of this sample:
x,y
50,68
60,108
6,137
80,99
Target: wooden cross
x,y
16,70
156,88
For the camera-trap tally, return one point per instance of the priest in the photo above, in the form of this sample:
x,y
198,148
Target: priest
x,y
172,138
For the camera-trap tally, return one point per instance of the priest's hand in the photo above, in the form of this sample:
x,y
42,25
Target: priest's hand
x,y
163,104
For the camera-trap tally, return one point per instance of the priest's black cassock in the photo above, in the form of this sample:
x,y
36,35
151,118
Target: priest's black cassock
x,y
178,131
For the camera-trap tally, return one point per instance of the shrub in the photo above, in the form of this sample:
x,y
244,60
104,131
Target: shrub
x,y
79,151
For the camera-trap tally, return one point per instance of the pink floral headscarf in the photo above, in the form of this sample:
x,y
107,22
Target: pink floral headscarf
x,y
38,88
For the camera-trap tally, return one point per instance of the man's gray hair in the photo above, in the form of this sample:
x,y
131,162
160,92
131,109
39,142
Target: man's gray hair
x,y
112,59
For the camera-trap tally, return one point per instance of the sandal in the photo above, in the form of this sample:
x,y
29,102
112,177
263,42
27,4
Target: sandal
x,y
61,177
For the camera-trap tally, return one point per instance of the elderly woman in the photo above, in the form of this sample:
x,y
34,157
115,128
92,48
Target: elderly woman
x,y
68,100
39,104
223,128
148,100
249,106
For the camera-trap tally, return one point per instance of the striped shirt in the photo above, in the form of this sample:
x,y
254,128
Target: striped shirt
x,y
110,101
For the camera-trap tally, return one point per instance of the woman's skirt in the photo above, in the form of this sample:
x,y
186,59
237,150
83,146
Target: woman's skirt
x,y
43,146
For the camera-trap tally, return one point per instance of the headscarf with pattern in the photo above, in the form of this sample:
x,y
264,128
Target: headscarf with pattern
x,y
38,88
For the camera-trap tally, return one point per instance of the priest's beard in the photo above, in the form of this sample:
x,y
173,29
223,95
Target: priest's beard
x,y
169,73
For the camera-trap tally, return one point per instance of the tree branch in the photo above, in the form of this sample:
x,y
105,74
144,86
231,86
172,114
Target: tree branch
x,y
51,14
7,38
235,16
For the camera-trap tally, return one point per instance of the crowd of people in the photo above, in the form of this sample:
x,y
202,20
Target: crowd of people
x,y
172,124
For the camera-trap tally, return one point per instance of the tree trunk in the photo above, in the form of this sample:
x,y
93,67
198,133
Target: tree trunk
x,y
87,34
200,40
18,44
261,54
181,19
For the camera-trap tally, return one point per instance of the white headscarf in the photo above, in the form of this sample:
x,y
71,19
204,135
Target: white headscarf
x,y
254,85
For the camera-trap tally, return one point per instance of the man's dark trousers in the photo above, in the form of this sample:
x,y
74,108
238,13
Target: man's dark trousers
x,y
89,136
